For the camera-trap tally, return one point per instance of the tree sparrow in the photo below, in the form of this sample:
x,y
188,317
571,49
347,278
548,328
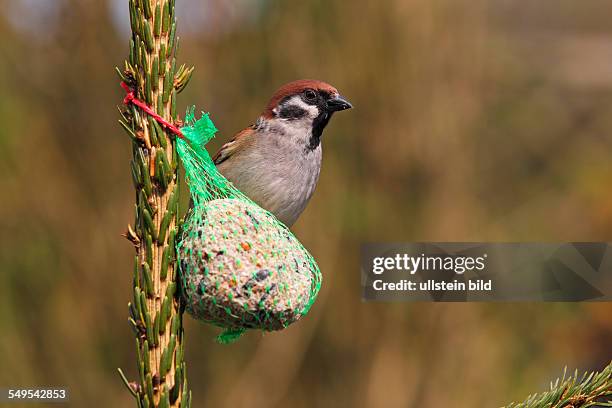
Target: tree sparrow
x,y
276,162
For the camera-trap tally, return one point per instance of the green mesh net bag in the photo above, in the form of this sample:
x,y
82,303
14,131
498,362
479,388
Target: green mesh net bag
x,y
240,267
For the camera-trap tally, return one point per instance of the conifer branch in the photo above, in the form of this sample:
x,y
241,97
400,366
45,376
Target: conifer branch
x,y
588,390
155,312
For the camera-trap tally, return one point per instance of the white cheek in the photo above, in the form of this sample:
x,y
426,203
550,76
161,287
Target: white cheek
x,y
297,131
312,110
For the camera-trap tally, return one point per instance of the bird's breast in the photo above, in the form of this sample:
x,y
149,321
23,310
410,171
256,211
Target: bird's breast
x,y
277,173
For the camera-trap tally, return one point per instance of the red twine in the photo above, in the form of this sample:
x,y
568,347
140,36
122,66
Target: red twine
x,y
131,98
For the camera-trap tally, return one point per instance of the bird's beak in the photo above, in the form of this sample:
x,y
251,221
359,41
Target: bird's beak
x,y
338,103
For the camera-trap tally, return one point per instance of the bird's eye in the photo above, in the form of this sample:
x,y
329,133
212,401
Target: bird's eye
x,y
310,94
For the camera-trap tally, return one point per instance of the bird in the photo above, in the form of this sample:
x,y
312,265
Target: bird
x,y
276,162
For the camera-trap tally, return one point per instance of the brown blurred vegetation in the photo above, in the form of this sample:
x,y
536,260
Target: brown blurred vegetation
x,y
474,120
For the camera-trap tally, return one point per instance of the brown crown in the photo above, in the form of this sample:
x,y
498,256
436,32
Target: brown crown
x,y
294,88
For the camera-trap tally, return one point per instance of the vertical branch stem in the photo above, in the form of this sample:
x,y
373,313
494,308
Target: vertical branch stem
x,y
155,312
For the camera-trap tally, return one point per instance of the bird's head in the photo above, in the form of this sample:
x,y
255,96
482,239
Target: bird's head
x,y
305,103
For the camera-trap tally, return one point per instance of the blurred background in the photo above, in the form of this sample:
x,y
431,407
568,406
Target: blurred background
x,y
474,121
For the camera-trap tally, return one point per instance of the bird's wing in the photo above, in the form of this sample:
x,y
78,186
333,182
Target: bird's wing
x,y
233,145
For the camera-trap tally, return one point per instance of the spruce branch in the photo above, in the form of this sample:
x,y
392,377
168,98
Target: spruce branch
x,y
155,312
588,390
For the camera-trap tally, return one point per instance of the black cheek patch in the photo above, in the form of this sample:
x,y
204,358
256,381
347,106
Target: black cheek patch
x,y
291,112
